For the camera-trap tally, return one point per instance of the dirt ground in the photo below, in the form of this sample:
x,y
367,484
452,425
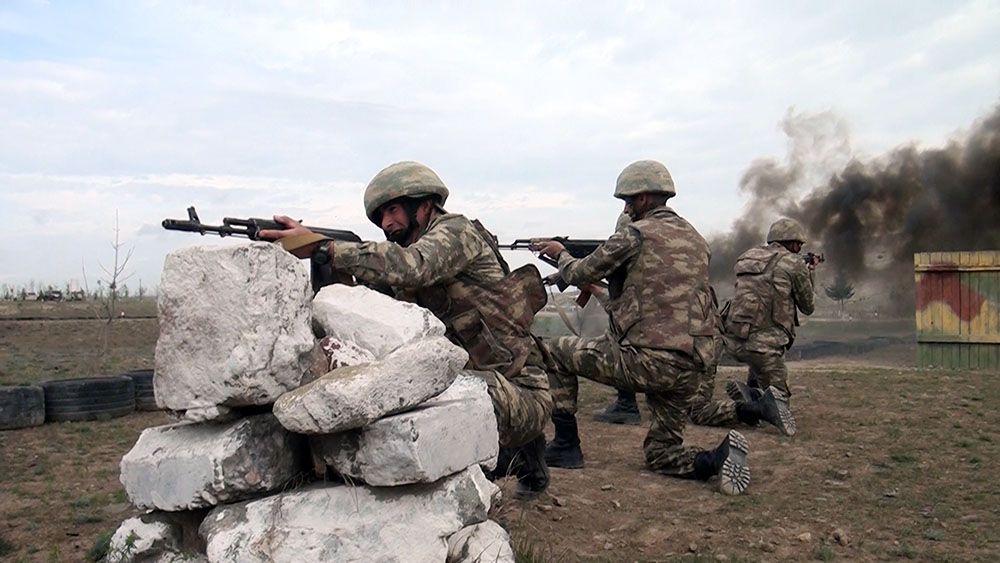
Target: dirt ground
x,y
890,462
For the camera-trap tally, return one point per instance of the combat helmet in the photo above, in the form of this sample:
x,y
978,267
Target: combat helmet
x,y
644,177
402,179
786,229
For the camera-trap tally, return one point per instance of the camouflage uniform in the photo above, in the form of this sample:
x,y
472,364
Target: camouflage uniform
x,y
662,329
454,271
704,411
773,285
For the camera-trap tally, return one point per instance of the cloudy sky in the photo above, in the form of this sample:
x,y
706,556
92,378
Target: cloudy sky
x,y
528,111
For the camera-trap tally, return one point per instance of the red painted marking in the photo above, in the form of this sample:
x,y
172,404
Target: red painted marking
x,y
949,291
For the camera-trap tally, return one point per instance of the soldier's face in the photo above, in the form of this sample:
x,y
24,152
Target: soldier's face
x,y
635,206
795,246
396,222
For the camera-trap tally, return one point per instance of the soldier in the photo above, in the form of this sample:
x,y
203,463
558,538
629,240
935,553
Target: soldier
x,y
625,409
662,337
452,266
704,411
769,406
773,284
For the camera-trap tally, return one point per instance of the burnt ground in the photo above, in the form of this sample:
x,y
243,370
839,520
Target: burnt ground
x,y
890,462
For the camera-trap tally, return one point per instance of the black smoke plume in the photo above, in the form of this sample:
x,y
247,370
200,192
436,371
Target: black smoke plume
x,y
870,217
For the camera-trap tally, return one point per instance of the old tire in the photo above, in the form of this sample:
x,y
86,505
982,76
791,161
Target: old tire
x,y
89,398
143,380
21,407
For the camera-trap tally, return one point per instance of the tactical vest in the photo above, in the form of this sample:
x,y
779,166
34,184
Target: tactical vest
x,y
758,303
490,320
661,298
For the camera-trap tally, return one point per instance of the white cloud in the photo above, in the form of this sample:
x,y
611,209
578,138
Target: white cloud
x,y
527,110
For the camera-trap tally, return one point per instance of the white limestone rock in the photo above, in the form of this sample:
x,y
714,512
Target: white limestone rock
x,y
376,322
351,397
487,542
158,537
450,432
342,353
235,326
344,523
186,465
216,413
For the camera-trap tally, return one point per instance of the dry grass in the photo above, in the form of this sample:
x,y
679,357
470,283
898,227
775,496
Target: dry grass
x,y
890,463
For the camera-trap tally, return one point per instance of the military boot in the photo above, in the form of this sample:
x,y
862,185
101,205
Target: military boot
x,y
741,392
564,450
532,472
623,411
771,407
728,462
508,463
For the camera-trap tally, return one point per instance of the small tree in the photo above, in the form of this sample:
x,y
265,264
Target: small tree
x,y
114,279
841,291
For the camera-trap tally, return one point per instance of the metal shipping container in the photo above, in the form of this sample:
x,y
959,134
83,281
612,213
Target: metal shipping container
x,y
958,309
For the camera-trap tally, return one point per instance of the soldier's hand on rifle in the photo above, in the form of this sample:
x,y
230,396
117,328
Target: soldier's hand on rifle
x,y
295,238
552,279
550,248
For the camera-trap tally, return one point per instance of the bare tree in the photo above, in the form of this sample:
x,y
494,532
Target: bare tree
x,y
114,278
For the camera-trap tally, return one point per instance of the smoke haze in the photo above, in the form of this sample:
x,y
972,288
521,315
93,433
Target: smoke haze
x,y
869,217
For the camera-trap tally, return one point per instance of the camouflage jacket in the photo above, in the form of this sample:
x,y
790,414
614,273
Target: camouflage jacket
x,y
657,272
454,271
772,286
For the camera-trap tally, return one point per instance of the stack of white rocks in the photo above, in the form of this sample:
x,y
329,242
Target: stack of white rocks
x,y
392,414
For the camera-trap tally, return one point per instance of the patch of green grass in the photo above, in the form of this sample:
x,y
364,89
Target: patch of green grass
x,y
985,438
823,552
87,518
80,427
904,457
934,534
905,550
85,502
6,548
101,545
526,551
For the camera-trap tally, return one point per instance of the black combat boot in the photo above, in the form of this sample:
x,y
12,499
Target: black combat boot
x,y
532,472
564,450
771,407
741,392
508,463
728,461
623,411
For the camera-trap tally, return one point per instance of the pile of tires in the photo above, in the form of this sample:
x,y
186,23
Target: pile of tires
x,y
88,398
143,380
21,407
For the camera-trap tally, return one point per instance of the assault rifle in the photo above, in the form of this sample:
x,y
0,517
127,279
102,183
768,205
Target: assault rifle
x,y
321,274
812,259
577,248
249,228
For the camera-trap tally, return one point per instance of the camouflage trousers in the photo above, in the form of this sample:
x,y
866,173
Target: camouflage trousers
x,y
521,404
668,379
704,411
765,368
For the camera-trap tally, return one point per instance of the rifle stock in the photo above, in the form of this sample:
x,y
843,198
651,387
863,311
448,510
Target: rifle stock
x,y
577,248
